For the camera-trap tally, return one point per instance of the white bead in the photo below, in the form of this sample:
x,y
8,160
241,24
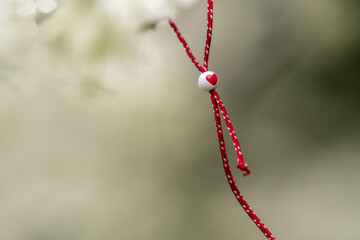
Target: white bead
x,y
208,81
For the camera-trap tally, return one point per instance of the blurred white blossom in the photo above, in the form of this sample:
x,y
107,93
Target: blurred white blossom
x,y
29,7
94,43
134,11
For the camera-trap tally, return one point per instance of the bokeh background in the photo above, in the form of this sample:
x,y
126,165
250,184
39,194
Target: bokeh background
x,y
104,133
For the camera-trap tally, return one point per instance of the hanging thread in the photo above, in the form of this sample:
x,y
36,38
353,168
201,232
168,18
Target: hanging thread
x,y
208,81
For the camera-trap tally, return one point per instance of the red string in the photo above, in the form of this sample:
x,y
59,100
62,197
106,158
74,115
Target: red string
x,y
186,46
216,102
210,14
240,160
217,107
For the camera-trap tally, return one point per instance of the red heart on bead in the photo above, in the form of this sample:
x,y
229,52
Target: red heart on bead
x,y
213,79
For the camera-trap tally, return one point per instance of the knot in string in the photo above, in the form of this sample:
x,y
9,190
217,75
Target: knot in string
x,y
244,168
208,81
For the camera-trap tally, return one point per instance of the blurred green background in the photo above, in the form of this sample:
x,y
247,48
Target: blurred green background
x,y
104,133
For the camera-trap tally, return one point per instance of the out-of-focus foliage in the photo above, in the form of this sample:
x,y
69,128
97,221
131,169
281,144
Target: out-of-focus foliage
x,y
105,135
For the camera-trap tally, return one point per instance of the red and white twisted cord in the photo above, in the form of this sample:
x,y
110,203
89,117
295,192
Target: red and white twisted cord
x,y
216,102
217,107
210,17
186,46
240,160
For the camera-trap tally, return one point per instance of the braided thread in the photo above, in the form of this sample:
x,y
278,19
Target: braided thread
x,y
217,107
210,17
240,160
215,99
186,46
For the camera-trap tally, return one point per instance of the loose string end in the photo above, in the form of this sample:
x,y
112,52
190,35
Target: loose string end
x,y
244,168
217,108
